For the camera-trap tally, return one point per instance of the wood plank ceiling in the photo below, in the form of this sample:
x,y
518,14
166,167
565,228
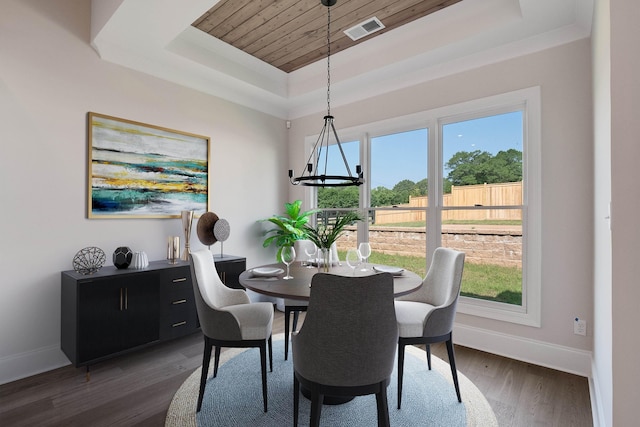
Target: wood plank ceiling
x,y
290,34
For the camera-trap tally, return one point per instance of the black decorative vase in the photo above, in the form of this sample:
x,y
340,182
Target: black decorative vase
x,y
122,257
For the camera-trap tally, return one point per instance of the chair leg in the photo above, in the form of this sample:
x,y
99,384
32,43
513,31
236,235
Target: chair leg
x,y
316,409
287,315
206,358
428,350
270,354
216,361
383,408
296,400
263,365
400,371
295,320
452,362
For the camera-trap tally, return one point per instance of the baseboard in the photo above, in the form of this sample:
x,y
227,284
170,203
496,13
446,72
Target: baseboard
x,y
540,353
22,365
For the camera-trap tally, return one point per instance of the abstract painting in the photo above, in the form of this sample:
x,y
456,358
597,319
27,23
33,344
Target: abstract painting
x,y
138,170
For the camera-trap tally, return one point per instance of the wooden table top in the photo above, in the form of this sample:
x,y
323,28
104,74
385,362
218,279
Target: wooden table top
x,y
298,287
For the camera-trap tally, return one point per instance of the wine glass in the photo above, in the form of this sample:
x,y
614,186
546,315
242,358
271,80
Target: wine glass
x,y
310,250
288,256
365,252
353,259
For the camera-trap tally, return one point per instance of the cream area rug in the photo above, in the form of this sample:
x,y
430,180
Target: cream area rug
x,y
234,397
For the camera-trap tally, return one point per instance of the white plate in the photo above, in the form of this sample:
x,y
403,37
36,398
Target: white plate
x,y
386,269
266,271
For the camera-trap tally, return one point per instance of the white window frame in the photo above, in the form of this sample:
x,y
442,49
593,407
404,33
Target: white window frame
x,y
528,101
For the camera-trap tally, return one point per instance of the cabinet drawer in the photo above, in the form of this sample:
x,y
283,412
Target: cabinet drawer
x,y
176,278
180,320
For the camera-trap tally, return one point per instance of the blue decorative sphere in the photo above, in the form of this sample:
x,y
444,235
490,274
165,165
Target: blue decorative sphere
x,y
122,257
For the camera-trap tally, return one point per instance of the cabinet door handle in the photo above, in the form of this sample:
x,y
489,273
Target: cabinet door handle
x,y
124,299
179,324
180,301
181,279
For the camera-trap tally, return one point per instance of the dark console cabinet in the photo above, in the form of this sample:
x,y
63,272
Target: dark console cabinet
x,y
117,314
115,311
229,268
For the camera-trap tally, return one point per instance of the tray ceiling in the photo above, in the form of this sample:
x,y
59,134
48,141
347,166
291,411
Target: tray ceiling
x,y
270,55
290,34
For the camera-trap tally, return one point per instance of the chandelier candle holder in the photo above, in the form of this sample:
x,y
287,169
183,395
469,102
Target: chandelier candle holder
x,y
315,173
187,220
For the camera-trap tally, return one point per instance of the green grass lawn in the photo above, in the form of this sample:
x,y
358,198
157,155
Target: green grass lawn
x,y
483,281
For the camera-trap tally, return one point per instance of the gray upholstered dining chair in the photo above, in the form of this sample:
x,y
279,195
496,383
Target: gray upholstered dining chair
x,y
426,316
296,306
347,344
228,319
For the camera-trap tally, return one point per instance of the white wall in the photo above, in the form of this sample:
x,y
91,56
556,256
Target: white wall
x,y
49,79
625,197
602,326
564,75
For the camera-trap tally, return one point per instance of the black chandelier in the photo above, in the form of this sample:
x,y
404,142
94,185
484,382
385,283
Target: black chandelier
x,y
318,160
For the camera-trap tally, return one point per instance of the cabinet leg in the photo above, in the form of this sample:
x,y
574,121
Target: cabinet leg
x,y
88,374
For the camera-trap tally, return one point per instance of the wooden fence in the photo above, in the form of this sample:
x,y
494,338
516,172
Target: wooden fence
x,y
482,195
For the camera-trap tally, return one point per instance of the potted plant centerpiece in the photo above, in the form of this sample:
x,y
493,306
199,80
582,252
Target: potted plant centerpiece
x,y
290,227
325,235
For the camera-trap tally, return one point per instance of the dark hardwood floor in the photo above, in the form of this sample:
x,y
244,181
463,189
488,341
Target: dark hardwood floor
x,y
136,389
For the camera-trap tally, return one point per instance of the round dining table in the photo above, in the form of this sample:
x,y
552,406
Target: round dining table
x,y
260,280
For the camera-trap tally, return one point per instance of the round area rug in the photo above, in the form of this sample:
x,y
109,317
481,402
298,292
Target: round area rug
x,y
234,397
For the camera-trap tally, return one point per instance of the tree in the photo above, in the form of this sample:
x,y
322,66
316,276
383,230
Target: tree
x,y
480,167
382,196
403,190
338,197
421,187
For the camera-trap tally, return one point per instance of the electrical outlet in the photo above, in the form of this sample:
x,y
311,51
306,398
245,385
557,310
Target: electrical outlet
x,y
579,326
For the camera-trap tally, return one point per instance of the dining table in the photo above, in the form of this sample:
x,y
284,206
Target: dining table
x,y
269,279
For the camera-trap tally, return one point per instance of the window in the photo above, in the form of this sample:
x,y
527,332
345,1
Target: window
x,y
464,176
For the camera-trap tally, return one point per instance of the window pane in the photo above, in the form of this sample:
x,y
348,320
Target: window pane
x,y
493,257
397,233
482,161
482,164
399,171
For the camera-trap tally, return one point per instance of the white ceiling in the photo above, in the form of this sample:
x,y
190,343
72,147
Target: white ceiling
x,y
156,37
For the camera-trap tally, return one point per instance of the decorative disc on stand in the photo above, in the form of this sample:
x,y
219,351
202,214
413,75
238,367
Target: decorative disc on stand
x,y
205,228
221,230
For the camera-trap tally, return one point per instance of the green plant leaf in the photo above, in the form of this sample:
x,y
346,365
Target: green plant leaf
x,y
290,227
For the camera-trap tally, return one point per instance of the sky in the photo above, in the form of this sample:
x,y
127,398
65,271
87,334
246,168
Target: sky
x,y
404,155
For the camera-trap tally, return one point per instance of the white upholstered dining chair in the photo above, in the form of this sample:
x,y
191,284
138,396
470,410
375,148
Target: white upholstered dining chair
x,y
426,316
228,319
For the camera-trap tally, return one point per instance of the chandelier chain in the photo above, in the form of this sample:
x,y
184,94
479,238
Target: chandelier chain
x,y
328,61
315,173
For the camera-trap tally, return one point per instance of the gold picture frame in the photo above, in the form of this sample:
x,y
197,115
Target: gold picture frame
x,y
138,170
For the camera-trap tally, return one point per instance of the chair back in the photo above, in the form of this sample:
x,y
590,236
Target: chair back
x,y
350,333
441,288
211,296
213,291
